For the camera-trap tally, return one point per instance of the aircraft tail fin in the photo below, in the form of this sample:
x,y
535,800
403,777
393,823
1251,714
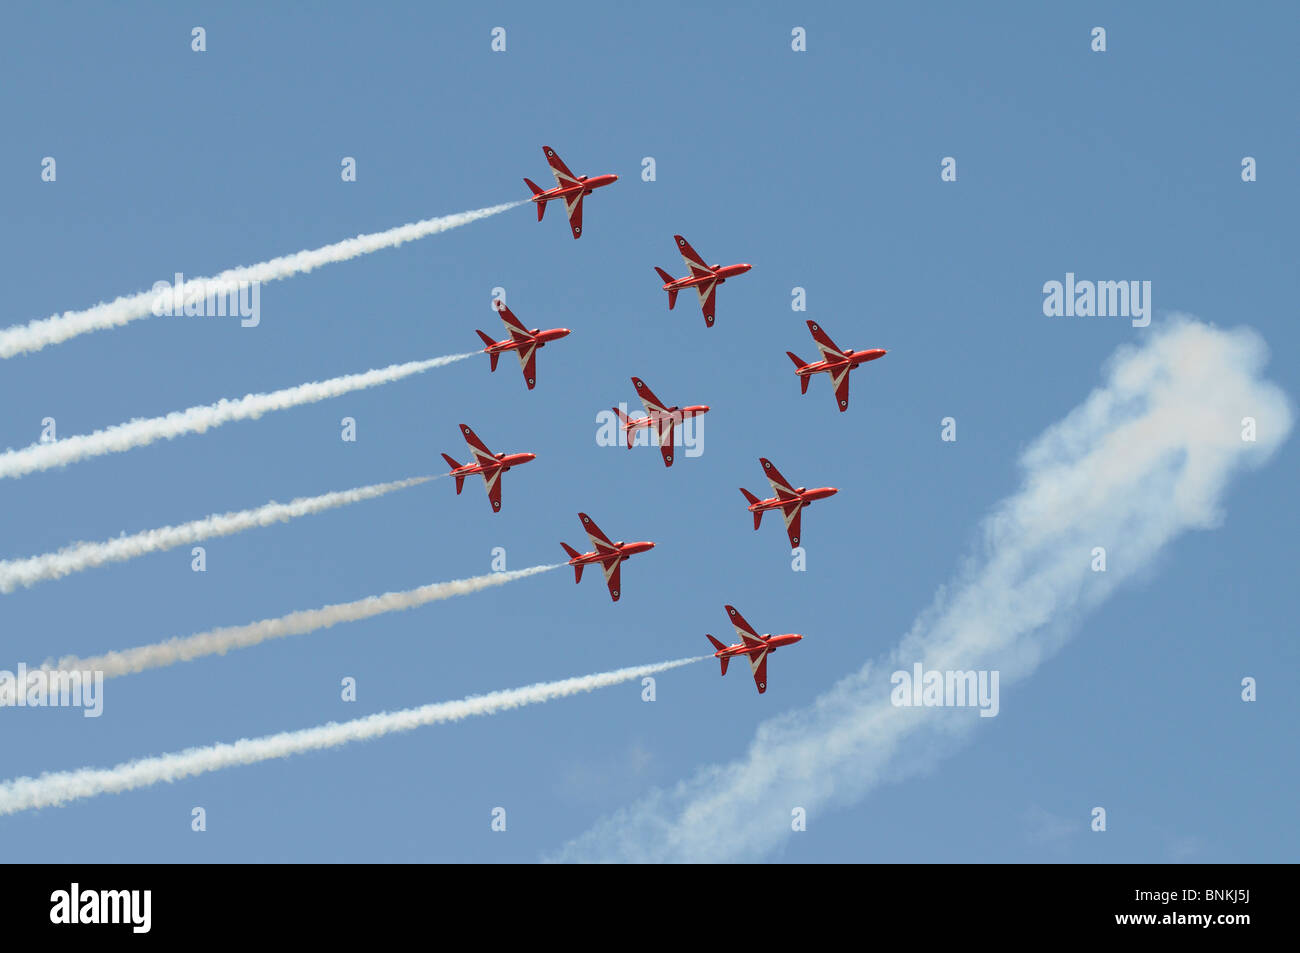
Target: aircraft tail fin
x,y
624,422
800,365
460,478
483,336
541,206
668,279
719,646
574,554
758,514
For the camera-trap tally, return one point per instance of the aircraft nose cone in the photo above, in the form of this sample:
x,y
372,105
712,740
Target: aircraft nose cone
x,y
564,333
613,178
529,457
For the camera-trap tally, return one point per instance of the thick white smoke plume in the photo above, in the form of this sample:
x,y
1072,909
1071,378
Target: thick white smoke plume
x,y
80,556
41,333
60,787
146,430
220,641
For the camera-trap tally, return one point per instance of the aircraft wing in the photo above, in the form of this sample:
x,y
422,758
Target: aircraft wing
x,y
830,352
573,207
841,381
780,485
649,401
666,436
743,629
481,453
599,541
612,575
528,361
707,293
792,512
694,263
493,480
513,325
563,177
758,664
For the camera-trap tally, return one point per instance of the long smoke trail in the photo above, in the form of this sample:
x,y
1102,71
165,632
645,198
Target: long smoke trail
x,y
142,431
77,557
40,333
220,641
1146,457
60,787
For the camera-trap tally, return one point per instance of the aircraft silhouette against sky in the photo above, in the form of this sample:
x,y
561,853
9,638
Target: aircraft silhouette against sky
x,y
609,555
660,419
703,278
835,362
789,500
569,189
522,341
756,648
490,465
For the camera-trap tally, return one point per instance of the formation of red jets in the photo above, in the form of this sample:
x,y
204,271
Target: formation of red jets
x,y
660,419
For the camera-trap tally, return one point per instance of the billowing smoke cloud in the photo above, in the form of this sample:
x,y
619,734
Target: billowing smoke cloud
x,y
142,431
1145,458
80,556
60,327
220,641
56,788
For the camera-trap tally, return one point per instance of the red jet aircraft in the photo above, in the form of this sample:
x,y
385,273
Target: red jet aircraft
x,y
835,362
788,500
522,341
569,188
703,278
658,418
609,555
490,464
756,647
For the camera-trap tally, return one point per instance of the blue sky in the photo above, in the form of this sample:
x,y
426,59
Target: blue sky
x,y
819,168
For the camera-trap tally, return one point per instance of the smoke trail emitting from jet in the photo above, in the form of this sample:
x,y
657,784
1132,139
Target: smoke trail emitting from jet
x,y
80,556
57,788
35,335
143,431
222,640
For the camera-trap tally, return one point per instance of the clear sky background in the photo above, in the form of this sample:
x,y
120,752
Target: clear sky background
x,y
819,168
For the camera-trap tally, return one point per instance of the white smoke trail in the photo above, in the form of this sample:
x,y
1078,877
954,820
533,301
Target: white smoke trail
x,y
40,333
220,641
60,787
142,431
77,557
1145,458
